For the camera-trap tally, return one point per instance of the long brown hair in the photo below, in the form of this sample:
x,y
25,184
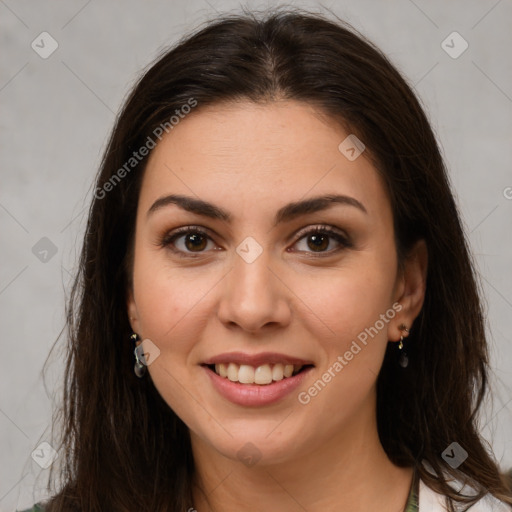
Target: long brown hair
x,y
124,448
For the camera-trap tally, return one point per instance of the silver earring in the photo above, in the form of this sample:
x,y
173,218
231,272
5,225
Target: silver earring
x,y
403,359
139,368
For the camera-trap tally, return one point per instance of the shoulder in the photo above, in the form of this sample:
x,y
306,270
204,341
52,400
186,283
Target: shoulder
x,y
431,501
36,508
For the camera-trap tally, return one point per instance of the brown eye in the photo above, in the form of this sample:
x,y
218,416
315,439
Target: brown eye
x,y
320,240
187,241
195,242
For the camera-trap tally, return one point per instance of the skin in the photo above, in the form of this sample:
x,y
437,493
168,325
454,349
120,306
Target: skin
x,y
252,159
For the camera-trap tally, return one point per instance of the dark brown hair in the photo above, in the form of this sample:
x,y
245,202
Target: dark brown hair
x,y
124,448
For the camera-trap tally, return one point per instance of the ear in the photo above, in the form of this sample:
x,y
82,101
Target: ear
x,y
411,287
132,311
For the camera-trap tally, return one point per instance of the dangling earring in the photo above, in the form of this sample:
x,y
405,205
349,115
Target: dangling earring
x,y
403,359
139,368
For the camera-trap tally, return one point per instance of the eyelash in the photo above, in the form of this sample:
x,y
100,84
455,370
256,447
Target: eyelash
x,y
168,240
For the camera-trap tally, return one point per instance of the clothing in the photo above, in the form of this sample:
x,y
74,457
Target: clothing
x,y
421,499
431,501
36,508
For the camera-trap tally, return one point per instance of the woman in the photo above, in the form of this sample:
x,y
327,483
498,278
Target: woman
x,y
276,308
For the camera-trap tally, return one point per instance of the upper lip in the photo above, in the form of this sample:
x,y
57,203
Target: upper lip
x,y
256,359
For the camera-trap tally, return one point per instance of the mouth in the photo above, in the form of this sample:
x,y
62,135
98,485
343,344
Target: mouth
x,y
262,374
256,380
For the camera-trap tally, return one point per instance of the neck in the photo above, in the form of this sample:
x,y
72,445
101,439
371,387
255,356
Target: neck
x,y
351,472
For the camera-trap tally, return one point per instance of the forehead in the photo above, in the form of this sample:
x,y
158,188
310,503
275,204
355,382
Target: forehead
x,y
251,156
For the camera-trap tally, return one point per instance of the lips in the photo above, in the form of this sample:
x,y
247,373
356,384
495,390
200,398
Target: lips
x,y
256,395
264,370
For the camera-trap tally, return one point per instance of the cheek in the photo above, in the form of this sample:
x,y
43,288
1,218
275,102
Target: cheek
x,y
165,294
356,302
349,299
358,313
172,308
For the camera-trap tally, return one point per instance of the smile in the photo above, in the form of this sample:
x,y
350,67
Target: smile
x,y
263,374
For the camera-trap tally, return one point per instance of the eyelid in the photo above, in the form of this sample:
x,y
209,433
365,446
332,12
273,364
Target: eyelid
x,y
171,235
322,228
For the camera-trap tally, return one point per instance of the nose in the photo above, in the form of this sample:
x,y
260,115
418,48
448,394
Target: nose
x,y
254,297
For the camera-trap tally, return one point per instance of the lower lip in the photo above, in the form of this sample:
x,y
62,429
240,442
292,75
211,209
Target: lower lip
x,y
254,395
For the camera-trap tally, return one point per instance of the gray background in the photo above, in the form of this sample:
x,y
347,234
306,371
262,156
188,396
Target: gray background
x,y
56,114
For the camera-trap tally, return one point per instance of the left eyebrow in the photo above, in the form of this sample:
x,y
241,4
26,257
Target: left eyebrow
x,y
284,214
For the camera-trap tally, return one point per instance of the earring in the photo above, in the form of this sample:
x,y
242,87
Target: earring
x,y
139,368
403,359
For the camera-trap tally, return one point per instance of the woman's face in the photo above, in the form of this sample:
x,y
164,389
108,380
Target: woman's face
x,y
257,291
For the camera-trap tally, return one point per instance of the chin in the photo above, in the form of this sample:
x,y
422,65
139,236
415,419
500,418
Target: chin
x,y
257,443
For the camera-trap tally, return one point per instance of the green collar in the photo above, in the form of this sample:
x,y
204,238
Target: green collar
x,y
413,499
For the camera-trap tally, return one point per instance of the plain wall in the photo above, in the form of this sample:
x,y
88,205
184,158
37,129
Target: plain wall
x,y
56,114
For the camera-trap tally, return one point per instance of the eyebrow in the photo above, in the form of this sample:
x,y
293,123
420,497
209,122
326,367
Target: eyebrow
x,y
284,214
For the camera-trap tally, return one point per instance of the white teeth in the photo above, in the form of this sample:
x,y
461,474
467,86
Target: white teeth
x,y
221,369
233,372
264,374
278,372
246,374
